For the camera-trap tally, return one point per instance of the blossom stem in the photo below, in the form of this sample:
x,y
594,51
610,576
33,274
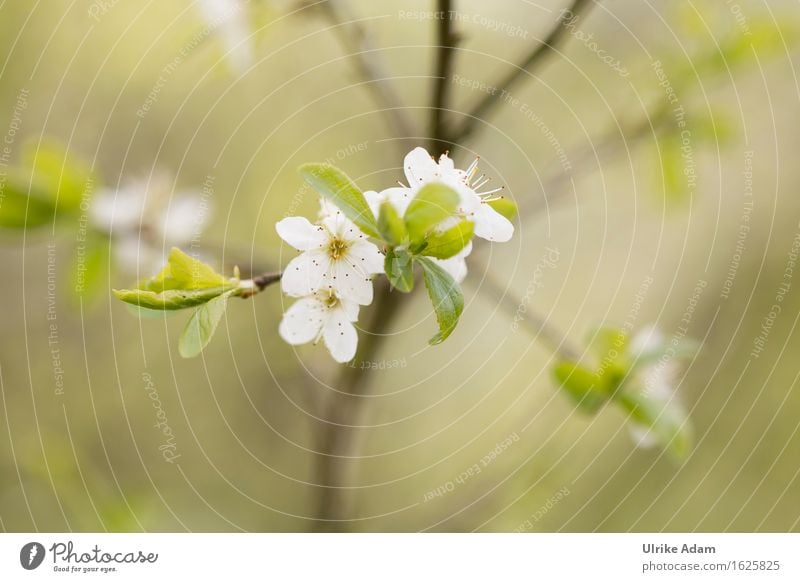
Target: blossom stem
x,y
266,279
521,71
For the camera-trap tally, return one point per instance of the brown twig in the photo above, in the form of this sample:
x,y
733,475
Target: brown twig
x,y
266,279
447,41
352,35
539,325
534,59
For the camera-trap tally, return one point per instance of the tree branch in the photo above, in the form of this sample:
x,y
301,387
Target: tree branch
x,y
336,438
610,145
540,326
522,70
356,41
447,41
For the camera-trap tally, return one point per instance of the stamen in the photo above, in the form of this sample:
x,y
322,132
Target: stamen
x,y
481,183
490,192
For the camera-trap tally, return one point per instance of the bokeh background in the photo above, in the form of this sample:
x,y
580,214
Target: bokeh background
x,y
585,151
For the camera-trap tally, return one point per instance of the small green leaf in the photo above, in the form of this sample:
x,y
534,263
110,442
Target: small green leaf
x,y
445,294
201,327
610,345
390,225
505,207
184,282
184,272
170,299
443,245
399,267
434,203
334,184
586,388
665,421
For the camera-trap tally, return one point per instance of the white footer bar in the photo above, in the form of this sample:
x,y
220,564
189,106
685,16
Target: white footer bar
x,y
422,557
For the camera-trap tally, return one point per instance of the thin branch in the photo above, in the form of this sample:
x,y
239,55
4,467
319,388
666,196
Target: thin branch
x,y
534,59
610,145
447,41
352,35
539,325
266,279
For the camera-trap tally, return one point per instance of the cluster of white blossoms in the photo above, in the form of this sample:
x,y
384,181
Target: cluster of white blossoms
x,y
332,277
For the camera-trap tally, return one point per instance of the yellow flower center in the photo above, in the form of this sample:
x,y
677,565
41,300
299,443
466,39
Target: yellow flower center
x,y
337,248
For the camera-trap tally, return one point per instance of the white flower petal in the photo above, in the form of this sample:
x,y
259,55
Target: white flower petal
x,y
327,208
298,232
367,256
340,336
349,281
648,339
350,308
118,210
374,201
398,196
492,225
303,321
456,266
446,164
306,274
184,220
420,167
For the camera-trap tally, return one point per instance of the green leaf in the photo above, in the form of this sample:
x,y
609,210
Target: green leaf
x,y
170,299
665,421
505,207
586,388
22,206
334,184
433,203
390,225
184,272
64,176
399,268
445,294
184,282
609,344
443,245
201,327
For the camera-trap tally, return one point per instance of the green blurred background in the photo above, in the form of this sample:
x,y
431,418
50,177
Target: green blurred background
x,y
245,414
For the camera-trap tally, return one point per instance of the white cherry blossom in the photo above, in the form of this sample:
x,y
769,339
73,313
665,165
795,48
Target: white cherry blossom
x,y
420,169
335,256
658,381
323,316
399,197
